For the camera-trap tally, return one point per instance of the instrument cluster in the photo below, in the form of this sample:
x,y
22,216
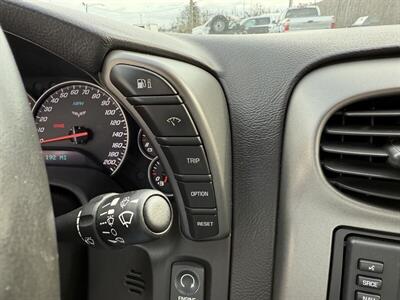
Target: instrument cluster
x,y
79,124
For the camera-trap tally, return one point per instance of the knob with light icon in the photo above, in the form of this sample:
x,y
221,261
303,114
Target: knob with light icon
x,y
118,220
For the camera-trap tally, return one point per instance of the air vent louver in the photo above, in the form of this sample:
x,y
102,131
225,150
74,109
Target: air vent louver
x,y
135,282
360,150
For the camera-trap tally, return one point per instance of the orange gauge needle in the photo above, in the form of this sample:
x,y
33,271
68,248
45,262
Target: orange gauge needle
x,y
65,137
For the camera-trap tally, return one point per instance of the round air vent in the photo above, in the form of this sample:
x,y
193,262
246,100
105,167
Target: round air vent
x,y
360,150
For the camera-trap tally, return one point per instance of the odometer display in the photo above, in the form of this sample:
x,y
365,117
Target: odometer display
x,y
83,117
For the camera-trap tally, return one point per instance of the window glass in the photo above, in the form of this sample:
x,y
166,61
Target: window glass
x,y
263,21
205,17
302,12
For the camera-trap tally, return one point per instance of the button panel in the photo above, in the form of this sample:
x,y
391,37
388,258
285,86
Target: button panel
x,y
204,99
370,269
165,113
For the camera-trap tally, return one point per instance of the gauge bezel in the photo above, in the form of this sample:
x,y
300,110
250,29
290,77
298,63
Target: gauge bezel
x,y
58,86
154,160
140,146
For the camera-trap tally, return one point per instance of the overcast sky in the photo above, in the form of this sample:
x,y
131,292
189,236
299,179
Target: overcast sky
x,y
162,12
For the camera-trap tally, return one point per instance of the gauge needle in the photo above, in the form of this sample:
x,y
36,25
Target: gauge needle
x,y
165,179
65,137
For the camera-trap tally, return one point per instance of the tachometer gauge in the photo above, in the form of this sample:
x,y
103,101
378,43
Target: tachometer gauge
x,y
82,117
158,178
145,146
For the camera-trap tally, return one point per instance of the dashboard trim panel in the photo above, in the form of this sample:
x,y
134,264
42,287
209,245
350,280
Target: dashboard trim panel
x,y
206,103
310,208
204,99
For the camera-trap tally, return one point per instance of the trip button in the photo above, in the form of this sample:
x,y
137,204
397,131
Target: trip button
x,y
187,160
203,226
370,266
134,81
368,282
168,120
198,194
367,296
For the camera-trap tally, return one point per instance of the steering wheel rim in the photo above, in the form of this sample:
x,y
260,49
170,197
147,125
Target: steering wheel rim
x,y
28,245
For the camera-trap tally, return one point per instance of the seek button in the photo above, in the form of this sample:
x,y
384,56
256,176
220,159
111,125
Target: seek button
x,y
368,282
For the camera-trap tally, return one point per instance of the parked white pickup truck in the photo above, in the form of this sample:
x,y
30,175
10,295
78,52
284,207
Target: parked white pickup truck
x,y
304,18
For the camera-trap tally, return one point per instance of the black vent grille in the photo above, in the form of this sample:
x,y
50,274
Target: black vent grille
x,y
135,282
360,150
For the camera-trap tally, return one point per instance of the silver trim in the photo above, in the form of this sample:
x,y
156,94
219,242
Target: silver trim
x,y
205,100
51,90
310,209
154,160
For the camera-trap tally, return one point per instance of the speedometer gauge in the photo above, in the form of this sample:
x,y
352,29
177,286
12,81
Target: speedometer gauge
x,y
83,118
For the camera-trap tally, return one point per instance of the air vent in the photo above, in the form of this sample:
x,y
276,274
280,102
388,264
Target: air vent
x,y
135,283
360,150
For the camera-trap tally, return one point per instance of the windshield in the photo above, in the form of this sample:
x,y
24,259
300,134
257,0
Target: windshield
x,y
205,17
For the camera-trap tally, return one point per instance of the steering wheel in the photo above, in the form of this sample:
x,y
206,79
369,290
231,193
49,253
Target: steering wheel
x,y
28,245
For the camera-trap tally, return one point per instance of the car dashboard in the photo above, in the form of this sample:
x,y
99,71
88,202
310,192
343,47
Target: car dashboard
x,y
277,154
